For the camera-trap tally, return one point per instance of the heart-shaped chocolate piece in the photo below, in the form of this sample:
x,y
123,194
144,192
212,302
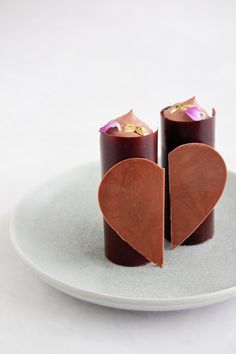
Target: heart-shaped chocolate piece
x,y
131,198
197,177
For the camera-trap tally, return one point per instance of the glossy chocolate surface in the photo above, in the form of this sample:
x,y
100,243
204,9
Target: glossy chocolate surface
x,y
113,150
174,134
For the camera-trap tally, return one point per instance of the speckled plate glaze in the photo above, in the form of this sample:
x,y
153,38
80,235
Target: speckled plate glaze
x,y
57,230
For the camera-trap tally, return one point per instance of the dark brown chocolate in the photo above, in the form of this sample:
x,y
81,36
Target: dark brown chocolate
x,y
113,150
131,198
174,134
197,177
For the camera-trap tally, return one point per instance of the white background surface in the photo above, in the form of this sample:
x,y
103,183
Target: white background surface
x,y
66,67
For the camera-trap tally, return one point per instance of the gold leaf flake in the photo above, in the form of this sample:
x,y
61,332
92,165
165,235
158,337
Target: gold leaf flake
x,y
186,106
129,128
181,107
141,130
174,109
132,128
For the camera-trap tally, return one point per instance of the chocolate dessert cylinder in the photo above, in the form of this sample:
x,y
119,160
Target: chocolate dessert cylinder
x,y
113,150
176,133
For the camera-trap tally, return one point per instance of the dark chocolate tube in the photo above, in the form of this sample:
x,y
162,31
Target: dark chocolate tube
x,y
174,134
113,150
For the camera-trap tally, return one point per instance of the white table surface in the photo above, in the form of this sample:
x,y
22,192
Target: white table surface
x,y
66,67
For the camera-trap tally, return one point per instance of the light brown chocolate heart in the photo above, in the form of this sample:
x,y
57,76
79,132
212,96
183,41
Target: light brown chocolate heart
x,y
131,198
197,177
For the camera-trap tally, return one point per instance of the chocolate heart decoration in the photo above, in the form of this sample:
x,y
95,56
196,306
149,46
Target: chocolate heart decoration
x,y
197,177
131,198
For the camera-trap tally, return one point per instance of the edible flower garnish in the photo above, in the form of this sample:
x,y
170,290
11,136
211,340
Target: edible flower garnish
x,y
192,111
181,107
110,124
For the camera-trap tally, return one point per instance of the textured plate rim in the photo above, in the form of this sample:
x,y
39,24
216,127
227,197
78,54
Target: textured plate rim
x,y
119,302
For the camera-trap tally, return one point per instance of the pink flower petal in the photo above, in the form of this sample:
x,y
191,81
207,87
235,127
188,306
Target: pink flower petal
x,y
194,113
110,124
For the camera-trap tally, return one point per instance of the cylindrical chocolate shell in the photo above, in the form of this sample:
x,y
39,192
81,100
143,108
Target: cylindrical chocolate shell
x,y
113,150
174,134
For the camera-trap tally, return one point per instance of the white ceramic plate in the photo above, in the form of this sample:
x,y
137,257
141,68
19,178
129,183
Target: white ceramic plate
x,y
57,230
